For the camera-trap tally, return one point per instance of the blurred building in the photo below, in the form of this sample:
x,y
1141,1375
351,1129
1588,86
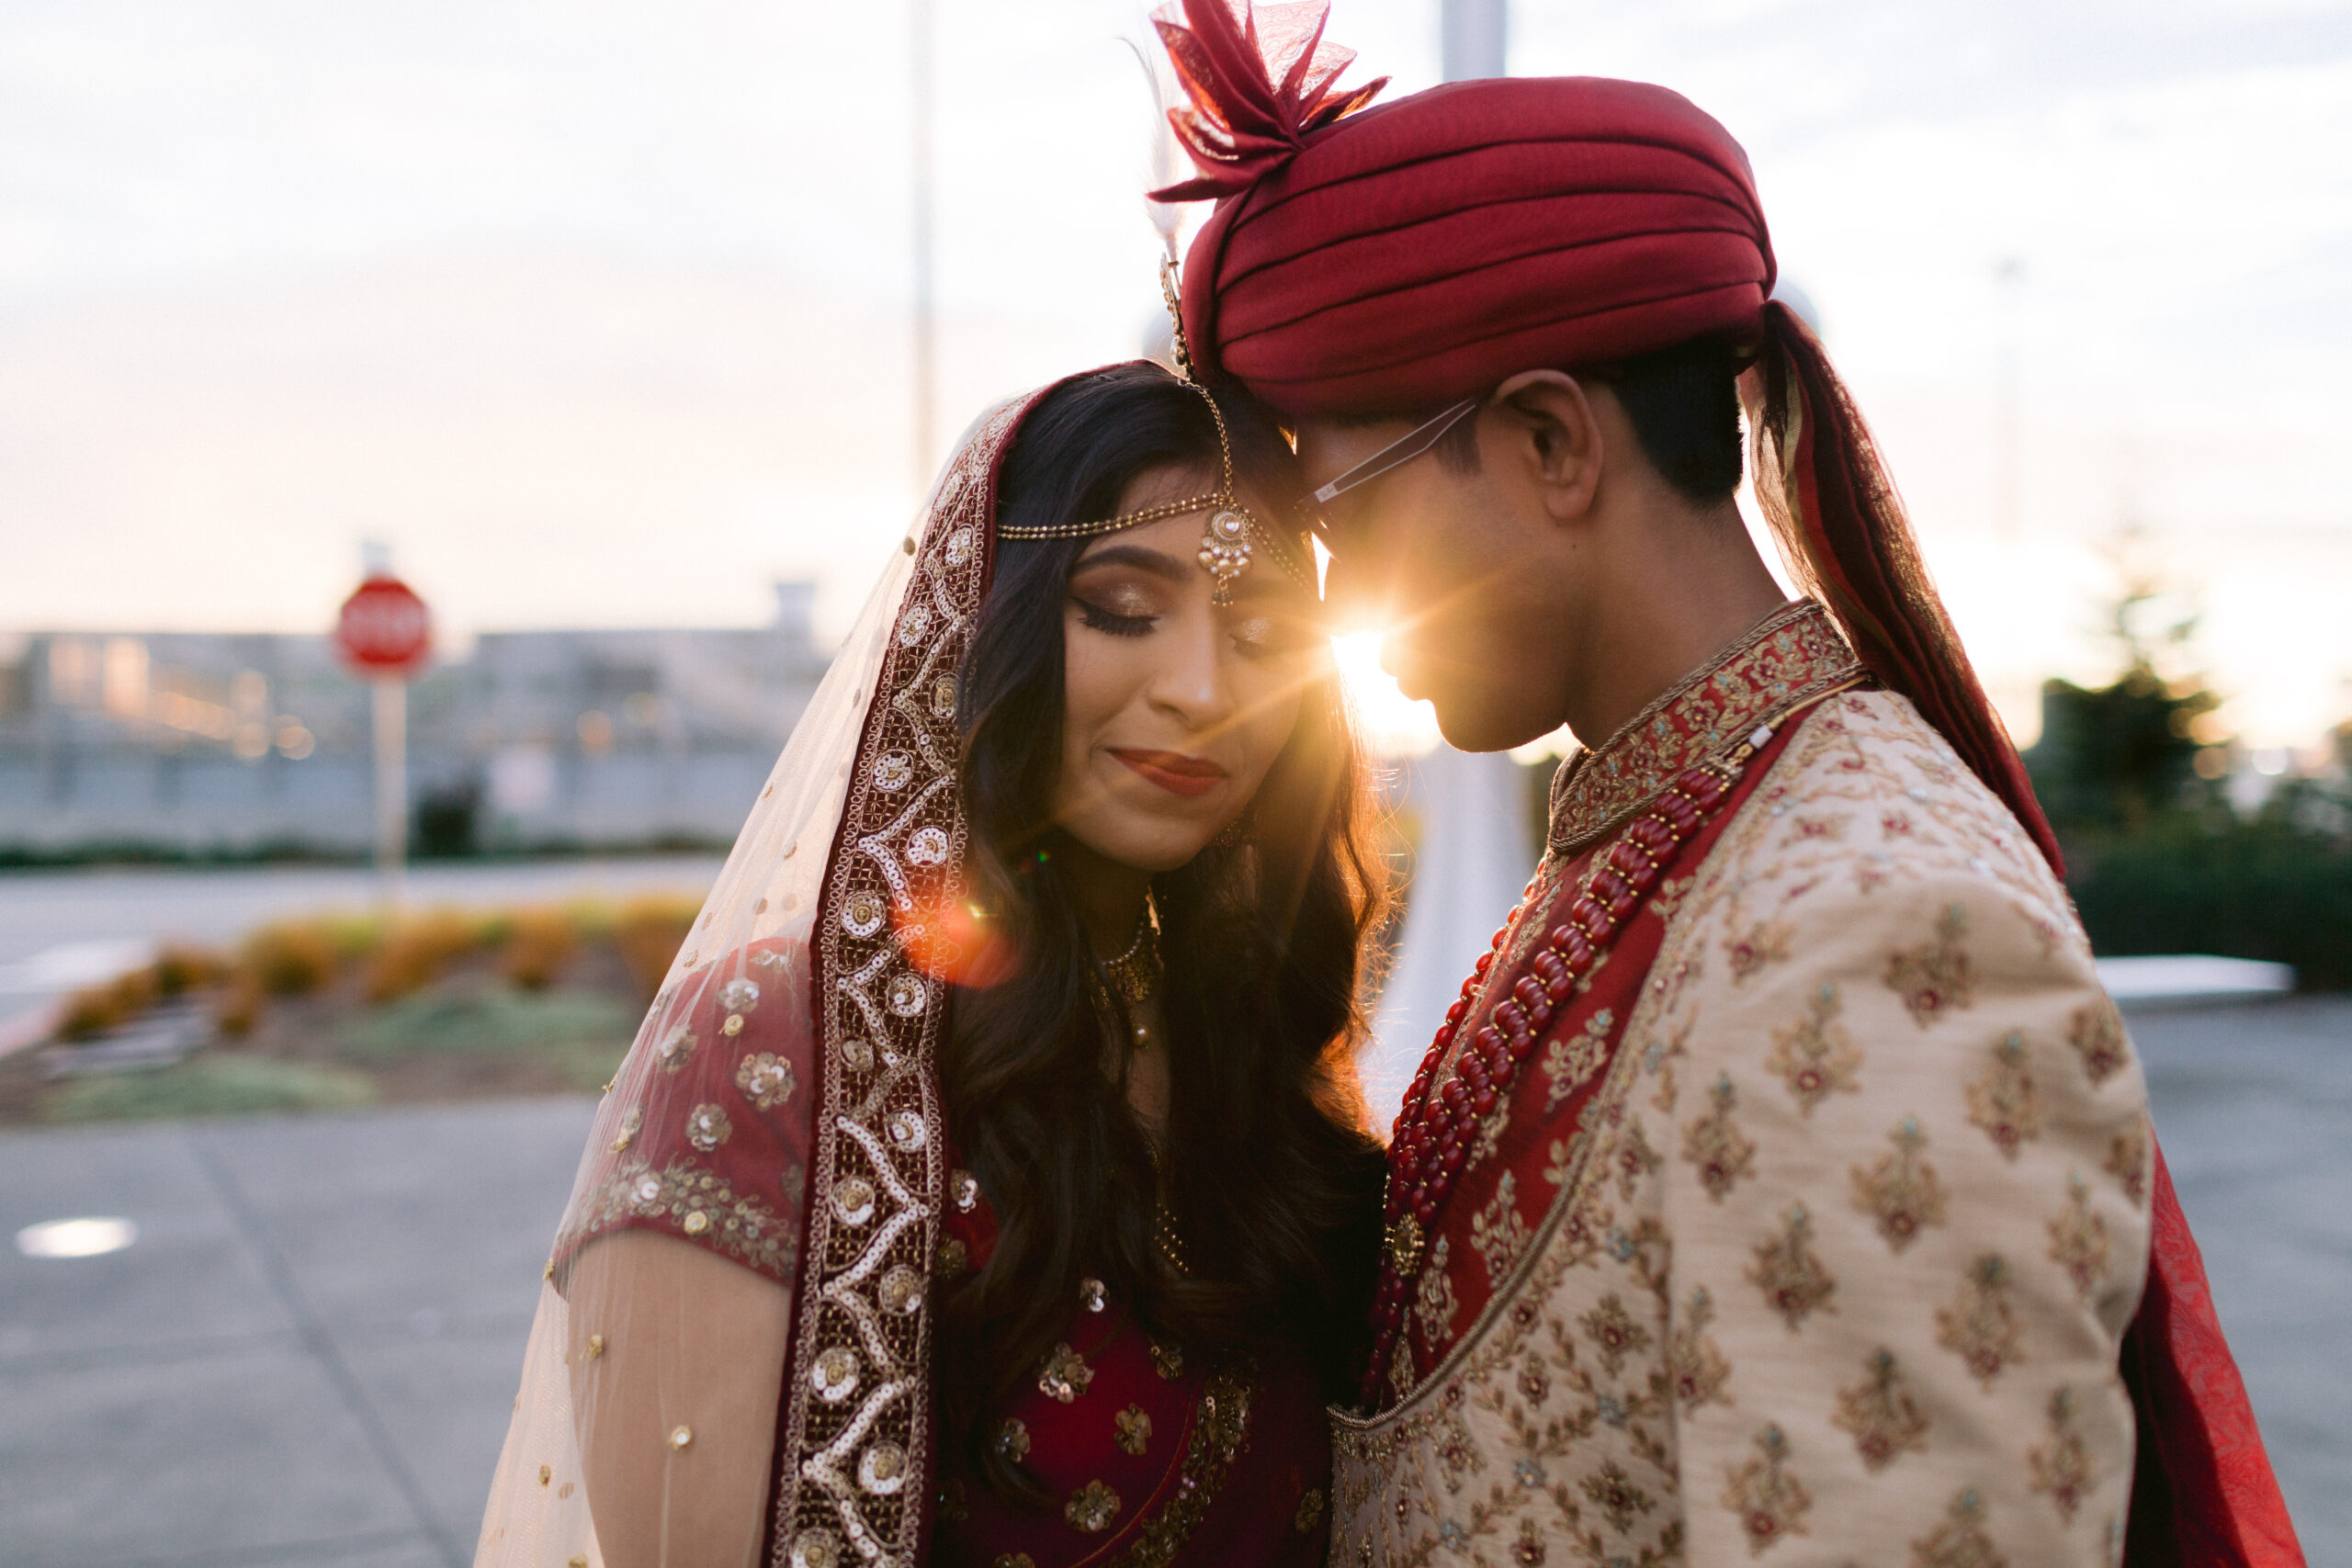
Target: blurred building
x,y
214,743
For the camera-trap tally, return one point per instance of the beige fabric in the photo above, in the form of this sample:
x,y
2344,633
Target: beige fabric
x,y
1839,1270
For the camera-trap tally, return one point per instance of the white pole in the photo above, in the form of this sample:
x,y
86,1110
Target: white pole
x,y
391,785
1474,36
926,311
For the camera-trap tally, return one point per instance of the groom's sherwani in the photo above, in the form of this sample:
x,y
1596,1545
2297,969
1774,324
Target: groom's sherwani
x,y
1809,1232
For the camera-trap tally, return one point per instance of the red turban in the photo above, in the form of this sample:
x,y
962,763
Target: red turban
x,y
1401,258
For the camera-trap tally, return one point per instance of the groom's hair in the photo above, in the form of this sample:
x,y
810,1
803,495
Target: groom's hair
x,y
1684,403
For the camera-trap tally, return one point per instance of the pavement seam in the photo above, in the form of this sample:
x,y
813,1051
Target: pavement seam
x,y
315,1338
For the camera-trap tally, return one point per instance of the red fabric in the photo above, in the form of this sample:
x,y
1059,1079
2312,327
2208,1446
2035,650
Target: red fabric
x,y
1424,250
1538,1122
1259,78
1259,1517
2202,1492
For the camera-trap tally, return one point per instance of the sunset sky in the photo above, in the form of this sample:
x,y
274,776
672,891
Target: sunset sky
x,y
597,314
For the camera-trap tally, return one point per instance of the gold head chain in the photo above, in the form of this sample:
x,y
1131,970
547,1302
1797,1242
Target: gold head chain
x,y
1227,546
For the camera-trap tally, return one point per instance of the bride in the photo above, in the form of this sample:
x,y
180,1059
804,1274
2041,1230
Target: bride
x,y
989,1183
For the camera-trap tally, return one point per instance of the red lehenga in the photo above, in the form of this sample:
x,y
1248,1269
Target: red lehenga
x,y
781,1111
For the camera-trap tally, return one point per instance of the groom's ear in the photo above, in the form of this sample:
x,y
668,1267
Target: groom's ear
x,y
1551,439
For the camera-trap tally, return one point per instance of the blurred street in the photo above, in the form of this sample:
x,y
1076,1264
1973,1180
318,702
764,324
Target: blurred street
x,y
309,1355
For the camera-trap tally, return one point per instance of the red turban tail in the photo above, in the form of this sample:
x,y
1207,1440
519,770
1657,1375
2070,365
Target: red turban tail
x,y
1407,256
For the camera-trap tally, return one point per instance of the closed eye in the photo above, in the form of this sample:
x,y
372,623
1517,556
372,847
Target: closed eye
x,y
1099,619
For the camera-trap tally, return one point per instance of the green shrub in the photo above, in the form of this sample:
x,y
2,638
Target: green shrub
x,y
210,1085
2267,889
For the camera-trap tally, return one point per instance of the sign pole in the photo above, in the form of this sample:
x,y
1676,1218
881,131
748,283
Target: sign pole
x,y
386,635
390,696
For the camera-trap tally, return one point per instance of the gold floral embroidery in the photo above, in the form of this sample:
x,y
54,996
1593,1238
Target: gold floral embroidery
x,y
1310,1511
2127,1161
708,1127
1979,1326
1610,1327
953,1258
1766,942
2004,1101
2061,1463
1220,1429
1670,894
1134,1426
2078,1242
1435,1305
1771,1502
1012,1438
1790,654
1065,1375
1570,1059
766,1079
1613,1491
737,1225
1791,1277
1901,1191
1498,1232
1959,1542
1092,1508
2095,1031
674,1047
1632,1158
1936,975
1715,1144
1168,1360
1815,1055
1693,1360
1560,1165
1882,1414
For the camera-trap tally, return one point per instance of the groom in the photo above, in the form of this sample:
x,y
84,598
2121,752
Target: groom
x,y
1782,1188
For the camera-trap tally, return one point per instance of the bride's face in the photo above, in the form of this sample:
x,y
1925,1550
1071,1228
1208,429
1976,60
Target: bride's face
x,y
1173,707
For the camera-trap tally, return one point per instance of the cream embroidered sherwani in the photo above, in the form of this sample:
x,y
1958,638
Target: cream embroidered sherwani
x,y
1833,1263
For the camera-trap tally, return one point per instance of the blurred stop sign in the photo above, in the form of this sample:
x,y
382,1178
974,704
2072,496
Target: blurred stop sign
x,y
384,629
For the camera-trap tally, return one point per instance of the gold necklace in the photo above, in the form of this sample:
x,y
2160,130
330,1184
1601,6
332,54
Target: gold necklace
x,y
1135,974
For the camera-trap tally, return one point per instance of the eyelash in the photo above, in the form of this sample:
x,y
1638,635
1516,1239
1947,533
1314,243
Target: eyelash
x,y
1101,620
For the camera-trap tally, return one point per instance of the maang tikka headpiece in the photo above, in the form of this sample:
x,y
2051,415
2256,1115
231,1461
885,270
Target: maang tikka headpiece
x,y
1229,544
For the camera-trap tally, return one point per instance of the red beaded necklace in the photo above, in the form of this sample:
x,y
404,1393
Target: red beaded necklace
x,y
1434,1132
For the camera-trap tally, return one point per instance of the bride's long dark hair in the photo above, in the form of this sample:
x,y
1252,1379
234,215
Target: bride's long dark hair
x,y
1272,1177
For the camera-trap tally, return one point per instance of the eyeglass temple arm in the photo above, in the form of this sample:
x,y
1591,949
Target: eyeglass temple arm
x,y
1404,449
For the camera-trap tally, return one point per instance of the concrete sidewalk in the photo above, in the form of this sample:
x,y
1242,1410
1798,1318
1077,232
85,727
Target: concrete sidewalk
x,y
309,1355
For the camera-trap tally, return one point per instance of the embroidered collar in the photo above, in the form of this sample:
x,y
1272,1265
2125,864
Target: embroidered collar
x,y
1792,656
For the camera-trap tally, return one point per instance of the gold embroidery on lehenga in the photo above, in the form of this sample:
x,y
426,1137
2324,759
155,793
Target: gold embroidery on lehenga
x,y
1092,1508
1881,1414
1220,1433
1498,1231
765,1079
738,1224
1132,1429
2003,1102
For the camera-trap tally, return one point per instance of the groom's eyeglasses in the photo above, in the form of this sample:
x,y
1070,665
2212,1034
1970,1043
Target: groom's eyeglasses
x,y
1396,454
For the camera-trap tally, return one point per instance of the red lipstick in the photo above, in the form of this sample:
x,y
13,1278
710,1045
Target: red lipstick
x,y
1173,771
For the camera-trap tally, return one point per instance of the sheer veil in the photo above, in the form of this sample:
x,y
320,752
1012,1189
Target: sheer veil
x,y
735,1309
